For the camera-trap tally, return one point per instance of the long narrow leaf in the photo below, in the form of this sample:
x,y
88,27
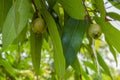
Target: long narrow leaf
x,y
103,65
35,48
59,60
113,52
113,2
11,27
90,65
74,8
72,38
101,8
114,15
111,33
8,67
5,5
79,69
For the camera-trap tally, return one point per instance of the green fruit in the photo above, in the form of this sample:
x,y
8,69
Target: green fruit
x,y
94,31
38,25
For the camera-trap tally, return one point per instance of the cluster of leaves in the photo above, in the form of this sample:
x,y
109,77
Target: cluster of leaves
x,y
66,23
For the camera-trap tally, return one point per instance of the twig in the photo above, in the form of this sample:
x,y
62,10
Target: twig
x,y
35,6
88,15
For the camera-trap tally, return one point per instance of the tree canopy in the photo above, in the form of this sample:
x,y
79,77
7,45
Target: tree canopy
x,y
58,39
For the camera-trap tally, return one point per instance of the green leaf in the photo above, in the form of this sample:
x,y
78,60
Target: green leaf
x,y
103,64
35,50
114,4
74,8
38,4
59,60
51,3
101,8
8,67
76,66
16,21
111,33
114,15
90,65
79,69
77,77
5,5
112,51
60,13
68,73
21,37
72,38
91,53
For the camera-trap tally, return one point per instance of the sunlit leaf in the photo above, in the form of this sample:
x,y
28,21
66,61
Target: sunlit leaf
x,y
68,73
111,33
59,60
12,28
7,67
113,52
101,8
115,4
90,65
103,64
74,8
114,15
79,70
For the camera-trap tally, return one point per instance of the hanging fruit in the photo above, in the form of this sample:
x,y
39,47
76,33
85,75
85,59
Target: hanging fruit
x,y
38,25
94,31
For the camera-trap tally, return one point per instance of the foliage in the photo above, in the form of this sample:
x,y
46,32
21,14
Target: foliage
x,y
64,50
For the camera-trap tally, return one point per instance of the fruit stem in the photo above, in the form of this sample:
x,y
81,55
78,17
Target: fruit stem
x,y
36,10
88,15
